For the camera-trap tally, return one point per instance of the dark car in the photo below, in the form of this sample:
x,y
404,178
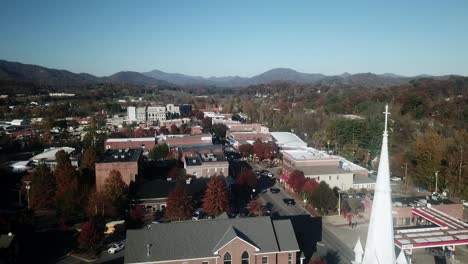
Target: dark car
x,y
289,201
274,190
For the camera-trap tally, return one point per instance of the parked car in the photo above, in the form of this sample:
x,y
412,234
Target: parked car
x,y
289,201
395,178
198,214
116,248
274,190
464,202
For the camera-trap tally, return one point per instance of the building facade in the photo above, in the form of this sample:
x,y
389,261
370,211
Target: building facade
x,y
146,144
156,113
126,161
206,165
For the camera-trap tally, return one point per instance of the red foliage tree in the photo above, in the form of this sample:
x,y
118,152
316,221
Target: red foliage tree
x,y
263,150
42,193
316,260
255,208
296,180
163,130
198,114
216,200
179,204
245,149
247,179
99,205
174,129
310,185
90,235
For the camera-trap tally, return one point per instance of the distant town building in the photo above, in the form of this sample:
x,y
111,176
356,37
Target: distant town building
x,y
141,114
156,113
287,140
131,114
126,161
332,175
146,144
175,141
185,110
226,240
173,109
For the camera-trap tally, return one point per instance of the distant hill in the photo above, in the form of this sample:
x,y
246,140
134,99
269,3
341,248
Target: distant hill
x,y
19,72
134,78
284,74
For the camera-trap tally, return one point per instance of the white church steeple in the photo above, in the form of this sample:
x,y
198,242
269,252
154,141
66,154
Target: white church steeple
x,y
380,248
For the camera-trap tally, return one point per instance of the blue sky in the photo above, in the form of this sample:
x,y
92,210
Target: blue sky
x,y
216,38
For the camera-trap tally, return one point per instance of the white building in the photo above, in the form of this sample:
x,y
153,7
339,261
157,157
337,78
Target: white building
x,y
131,114
156,113
173,109
141,114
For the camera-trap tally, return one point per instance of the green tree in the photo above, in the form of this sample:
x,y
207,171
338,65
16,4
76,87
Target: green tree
x,y
160,151
324,198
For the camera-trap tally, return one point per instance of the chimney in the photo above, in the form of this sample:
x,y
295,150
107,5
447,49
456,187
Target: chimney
x,y
148,251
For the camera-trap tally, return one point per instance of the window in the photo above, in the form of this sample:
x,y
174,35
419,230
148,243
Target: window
x,y
227,258
205,262
290,260
245,258
264,260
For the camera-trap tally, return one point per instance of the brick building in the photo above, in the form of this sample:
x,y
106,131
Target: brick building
x,y
126,161
186,140
231,241
146,144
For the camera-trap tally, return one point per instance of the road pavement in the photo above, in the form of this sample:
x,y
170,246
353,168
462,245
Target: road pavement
x,y
328,241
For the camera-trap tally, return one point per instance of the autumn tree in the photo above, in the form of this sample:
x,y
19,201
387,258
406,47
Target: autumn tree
x,y
262,150
216,200
310,185
457,161
247,179
206,124
160,151
68,195
179,204
43,187
296,180
174,129
245,149
87,166
135,218
99,205
256,208
91,235
427,155
116,190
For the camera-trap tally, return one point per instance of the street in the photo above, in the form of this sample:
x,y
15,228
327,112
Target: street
x,y
314,238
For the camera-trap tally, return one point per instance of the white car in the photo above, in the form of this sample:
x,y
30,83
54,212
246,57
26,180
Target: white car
x,y
116,248
395,178
464,202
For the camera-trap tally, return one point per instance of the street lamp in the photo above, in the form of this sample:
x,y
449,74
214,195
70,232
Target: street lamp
x,y
28,187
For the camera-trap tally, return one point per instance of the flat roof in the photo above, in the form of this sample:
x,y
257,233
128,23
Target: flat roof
x,y
120,155
49,154
288,139
145,139
307,154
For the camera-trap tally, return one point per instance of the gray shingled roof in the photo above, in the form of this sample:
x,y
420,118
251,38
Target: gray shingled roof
x,y
284,229
199,239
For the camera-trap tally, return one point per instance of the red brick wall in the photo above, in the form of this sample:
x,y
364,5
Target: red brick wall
x,y
128,170
236,248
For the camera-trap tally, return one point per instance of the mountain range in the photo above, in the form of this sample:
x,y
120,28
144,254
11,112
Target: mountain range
x,y
14,71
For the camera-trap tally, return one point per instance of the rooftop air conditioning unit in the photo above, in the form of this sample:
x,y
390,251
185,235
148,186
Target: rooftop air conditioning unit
x,y
122,156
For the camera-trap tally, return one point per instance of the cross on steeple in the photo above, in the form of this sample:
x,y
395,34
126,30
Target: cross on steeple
x,y
386,118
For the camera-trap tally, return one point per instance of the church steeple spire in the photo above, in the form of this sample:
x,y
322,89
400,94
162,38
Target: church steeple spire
x,y
380,246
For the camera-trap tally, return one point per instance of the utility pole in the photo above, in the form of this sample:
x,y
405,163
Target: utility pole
x,y
437,180
406,178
